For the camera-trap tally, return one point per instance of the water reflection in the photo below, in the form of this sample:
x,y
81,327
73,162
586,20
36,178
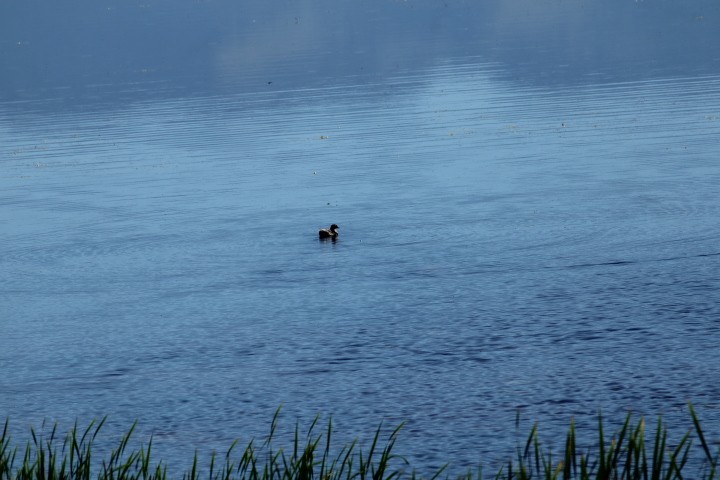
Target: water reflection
x,y
105,52
525,225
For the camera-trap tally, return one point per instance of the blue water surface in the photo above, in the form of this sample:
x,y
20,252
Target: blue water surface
x,y
527,197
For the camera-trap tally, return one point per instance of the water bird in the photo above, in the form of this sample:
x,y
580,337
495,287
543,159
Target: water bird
x,y
331,232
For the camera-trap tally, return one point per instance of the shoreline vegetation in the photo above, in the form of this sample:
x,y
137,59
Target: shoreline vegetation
x,y
629,453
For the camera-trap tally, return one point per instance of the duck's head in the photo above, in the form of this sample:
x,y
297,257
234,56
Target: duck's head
x,y
333,227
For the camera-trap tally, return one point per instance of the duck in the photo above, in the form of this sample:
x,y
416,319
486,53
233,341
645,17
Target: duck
x,y
331,232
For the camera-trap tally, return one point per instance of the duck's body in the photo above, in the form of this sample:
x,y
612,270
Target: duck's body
x,y
331,232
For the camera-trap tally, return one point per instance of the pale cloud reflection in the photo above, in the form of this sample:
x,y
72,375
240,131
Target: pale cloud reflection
x,y
557,42
101,50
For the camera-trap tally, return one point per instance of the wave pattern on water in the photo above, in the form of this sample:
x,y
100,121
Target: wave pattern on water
x,y
501,247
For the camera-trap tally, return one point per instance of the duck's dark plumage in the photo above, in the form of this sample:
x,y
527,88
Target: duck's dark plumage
x,y
331,232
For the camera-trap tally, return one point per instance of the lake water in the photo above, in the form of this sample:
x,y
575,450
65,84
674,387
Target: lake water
x,y
528,198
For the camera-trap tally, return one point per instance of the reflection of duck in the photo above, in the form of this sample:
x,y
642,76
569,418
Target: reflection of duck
x,y
329,232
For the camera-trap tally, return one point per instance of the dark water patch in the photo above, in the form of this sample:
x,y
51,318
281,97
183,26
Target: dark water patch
x,y
610,263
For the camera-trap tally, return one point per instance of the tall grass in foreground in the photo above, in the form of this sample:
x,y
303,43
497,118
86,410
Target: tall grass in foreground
x,y
625,455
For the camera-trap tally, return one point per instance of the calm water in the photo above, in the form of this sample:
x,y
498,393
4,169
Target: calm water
x,y
528,200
